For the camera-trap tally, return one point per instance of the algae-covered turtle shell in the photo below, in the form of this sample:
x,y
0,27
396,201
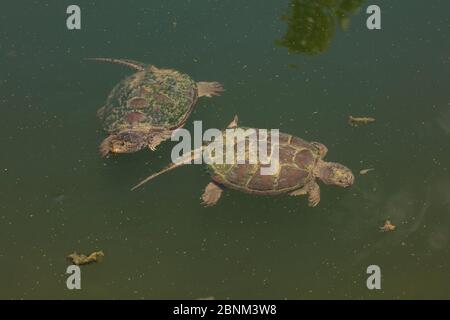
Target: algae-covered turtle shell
x,y
149,99
297,159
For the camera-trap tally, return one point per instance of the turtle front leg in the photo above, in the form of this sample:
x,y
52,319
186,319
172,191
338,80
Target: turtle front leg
x,y
155,139
211,195
209,89
323,150
313,192
105,146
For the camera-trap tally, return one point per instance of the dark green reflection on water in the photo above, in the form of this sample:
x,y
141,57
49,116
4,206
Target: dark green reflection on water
x,y
312,23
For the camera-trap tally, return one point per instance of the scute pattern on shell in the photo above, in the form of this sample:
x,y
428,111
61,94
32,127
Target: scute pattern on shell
x,y
297,159
146,99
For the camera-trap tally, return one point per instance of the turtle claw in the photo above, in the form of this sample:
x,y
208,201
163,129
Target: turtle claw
x,y
156,139
314,195
313,203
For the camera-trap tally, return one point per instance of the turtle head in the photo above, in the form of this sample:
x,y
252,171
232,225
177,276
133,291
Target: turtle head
x,y
335,174
123,142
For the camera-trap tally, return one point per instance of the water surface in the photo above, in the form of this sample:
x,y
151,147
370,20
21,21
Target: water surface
x,y
58,195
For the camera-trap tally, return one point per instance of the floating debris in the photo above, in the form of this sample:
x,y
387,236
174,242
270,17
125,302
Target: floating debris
x,y
81,259
356,121
206,298
59,198
366,171
387,227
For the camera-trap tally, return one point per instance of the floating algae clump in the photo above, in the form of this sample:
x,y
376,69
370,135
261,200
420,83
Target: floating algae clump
x,y
81,259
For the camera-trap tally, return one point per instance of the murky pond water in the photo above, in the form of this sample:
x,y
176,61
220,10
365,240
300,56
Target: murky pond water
x,y
301,66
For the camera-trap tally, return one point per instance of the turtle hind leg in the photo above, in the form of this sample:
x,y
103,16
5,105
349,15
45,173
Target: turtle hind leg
x,y
211,195
298,192
233,124
209,89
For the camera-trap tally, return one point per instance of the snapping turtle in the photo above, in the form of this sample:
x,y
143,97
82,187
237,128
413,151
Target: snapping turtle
x,y
300,164
144,108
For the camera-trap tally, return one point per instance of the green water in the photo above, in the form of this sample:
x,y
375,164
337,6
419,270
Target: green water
x,y
57,195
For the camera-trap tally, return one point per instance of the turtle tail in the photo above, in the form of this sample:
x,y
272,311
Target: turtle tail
x,y
187,158
138,66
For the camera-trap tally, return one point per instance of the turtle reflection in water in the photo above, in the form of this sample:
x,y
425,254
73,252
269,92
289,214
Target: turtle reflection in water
x,y
311,24
144,108
301,163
